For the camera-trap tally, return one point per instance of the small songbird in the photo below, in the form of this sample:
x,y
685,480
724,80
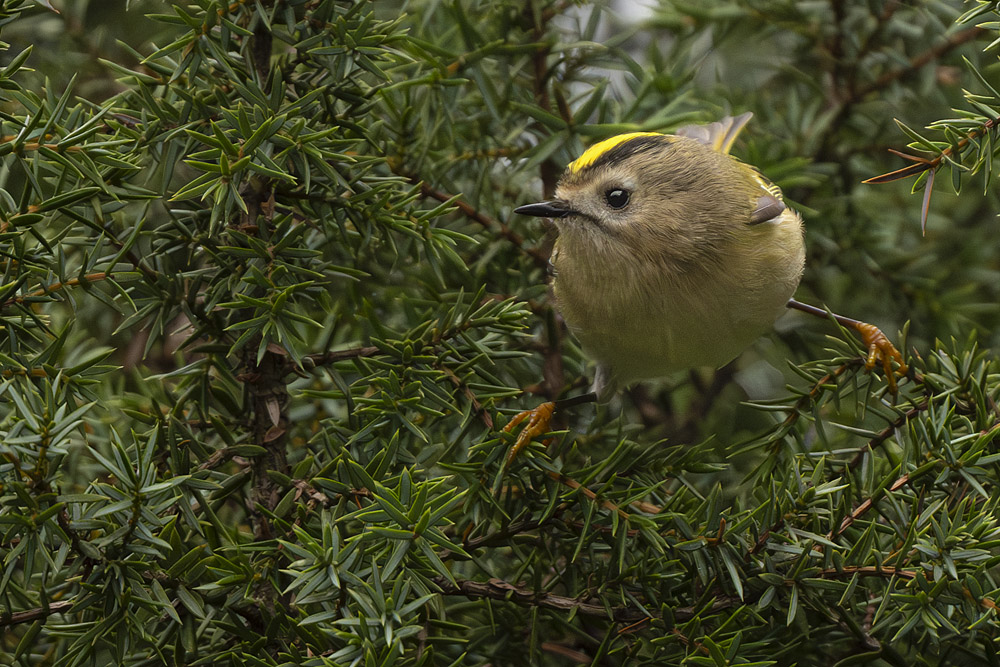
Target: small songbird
x,y
673,255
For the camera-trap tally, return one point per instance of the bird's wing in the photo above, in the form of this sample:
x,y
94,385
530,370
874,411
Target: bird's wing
x,y
719,135
768,207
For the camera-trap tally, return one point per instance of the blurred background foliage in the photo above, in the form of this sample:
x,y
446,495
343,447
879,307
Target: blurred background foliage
x,y
265,308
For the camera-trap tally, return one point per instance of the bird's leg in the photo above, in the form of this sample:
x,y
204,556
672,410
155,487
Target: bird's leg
x,y
880,348
538,421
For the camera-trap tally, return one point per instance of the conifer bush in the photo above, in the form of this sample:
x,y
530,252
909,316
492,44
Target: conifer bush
x,y
265,309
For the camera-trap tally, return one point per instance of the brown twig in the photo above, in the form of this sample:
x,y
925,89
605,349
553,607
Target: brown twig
x,y
217,458
865,505
882,436
504,534
539,258
332,357
469,394
317,496
552,367
48,289
814,392
845,97
956,40
498,589
688,642
871,445
35,145
576,486
886,433
567,652
765,536
792,417
27,372
265,383
922,164
8,619
866,571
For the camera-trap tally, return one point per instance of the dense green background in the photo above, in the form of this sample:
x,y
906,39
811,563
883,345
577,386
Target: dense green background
x,y
265,307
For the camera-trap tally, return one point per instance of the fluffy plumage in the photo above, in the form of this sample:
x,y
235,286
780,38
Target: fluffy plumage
x,y
694,267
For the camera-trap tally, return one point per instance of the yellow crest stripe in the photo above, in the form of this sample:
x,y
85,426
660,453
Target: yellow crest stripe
x,y
591,155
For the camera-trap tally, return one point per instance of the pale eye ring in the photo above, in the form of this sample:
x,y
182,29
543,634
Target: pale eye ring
x,y
617,198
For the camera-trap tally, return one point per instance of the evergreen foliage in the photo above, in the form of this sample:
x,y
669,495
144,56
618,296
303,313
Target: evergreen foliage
x,y
265,310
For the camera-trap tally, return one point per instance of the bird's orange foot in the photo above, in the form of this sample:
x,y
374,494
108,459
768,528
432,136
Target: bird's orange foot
x,y
538,423
881,349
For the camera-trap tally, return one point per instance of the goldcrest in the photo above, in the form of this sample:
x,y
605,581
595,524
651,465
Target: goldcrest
x,y
671,253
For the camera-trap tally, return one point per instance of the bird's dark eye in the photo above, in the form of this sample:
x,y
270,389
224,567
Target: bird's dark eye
x,y
616,197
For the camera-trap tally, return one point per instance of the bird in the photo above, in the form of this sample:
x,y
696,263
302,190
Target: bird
x,y
672,255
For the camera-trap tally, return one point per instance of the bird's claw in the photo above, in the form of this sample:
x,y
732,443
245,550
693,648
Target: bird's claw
x,y
538,423
881,349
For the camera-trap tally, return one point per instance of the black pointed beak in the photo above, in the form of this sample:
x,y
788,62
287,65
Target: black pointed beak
x,y
555,208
